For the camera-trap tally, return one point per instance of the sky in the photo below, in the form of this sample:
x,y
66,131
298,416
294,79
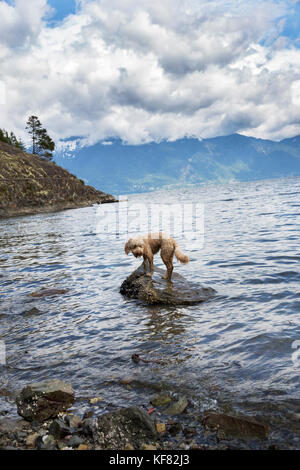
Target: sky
x,y
150,70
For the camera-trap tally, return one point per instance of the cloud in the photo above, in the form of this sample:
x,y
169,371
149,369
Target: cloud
x,y
21,22
151,70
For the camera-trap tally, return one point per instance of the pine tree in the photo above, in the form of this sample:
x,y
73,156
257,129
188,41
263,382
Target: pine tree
x,y
11,139
33,126
42,144
45,145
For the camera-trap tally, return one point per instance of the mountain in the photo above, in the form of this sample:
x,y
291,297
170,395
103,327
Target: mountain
x,y
29,184
120,168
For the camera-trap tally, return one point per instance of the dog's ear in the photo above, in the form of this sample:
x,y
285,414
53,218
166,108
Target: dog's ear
x,y
127,249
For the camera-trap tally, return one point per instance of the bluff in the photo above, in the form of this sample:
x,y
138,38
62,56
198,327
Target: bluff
x,y
29,185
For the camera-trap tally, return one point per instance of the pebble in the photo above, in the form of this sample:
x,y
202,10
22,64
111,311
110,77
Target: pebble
x,y
95,400
73,421
129,447
148,447
75,441
30,441
160,427
126,380
83,447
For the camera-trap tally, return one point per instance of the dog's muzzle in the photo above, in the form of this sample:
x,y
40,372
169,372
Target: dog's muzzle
x,y
138,252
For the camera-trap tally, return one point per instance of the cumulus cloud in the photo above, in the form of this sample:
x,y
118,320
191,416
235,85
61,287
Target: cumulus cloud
x,y
21,21
151,70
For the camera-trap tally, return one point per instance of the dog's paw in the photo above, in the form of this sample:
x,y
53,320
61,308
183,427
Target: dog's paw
x,y
149,275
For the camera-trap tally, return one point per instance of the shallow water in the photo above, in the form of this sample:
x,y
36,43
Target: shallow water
x,y
238,352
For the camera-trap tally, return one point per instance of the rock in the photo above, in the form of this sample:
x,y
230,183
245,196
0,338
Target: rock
x,y
129,447
45,443
159,291
126,426
126,380
75,441
73,421
30,441
88,414
95,400
160,427
44,400
11,425
48,292
235,426
88,427
163,399
176,408
175,428
33,311
83,447
148,447
59,429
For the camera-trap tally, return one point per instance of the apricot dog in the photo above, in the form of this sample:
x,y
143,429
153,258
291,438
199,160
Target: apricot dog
x,y
148,245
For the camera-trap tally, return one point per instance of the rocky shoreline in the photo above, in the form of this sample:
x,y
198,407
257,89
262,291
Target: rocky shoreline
x,y
167,422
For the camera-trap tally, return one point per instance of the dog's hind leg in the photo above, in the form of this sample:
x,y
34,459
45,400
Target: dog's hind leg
x,y
168,260
145,263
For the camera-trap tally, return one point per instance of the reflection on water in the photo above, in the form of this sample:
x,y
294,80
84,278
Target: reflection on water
x,y
233,352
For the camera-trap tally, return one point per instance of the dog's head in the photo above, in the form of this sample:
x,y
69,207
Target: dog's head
x,y
135,246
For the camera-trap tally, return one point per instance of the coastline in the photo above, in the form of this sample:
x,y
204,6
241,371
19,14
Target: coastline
x,y
10,213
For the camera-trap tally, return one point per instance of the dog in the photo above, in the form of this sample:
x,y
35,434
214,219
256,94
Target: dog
x,y
148,245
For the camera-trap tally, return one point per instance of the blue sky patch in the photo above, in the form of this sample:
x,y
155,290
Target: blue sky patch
x,y
63,8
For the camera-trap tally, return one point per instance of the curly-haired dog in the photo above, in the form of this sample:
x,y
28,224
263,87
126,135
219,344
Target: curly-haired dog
x,y
148,245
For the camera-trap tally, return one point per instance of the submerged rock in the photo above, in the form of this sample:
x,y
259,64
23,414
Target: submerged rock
x,y
33,311
235,426
177,407
48,292
44,400
159,291
122,427
162,399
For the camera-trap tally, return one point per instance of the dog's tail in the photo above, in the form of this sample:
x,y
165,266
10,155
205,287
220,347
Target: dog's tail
x,y
181,256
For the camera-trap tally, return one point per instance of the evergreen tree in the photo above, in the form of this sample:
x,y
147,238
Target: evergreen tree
x,y
42,144
33,126
11,139
45,145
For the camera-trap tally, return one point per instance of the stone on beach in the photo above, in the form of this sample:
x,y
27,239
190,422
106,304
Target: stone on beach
x,y
177,407
125,426
235,426
159,291
44,400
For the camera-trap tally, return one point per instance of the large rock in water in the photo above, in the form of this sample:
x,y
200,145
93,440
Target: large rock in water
x,y
125,426
44,400
159,291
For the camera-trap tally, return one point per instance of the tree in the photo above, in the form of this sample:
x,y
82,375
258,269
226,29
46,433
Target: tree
x,y
42,144
11,139
45,145
33,126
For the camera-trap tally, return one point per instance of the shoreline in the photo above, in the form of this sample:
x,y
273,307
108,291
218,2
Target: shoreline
x,y
51,418
52,208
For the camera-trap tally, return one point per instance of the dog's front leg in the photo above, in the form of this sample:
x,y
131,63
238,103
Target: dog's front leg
x,y
150,259
145,264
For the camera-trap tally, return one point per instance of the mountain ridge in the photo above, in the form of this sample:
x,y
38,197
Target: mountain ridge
x,y
145,167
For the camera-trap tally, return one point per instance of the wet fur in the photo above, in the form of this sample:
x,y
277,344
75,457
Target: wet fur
x,y
148,245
